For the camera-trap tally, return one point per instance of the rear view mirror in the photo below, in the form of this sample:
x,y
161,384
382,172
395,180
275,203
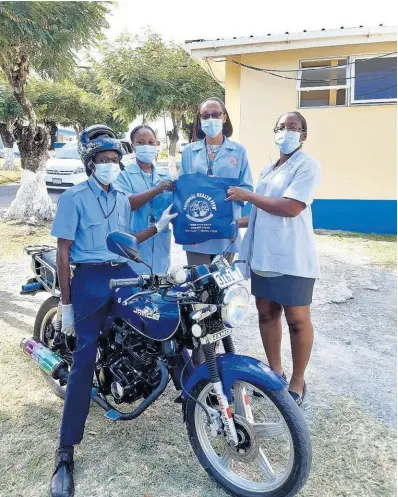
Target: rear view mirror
x,y
124,245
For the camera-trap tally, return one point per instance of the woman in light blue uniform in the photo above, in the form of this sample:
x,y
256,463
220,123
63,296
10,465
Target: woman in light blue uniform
x,y
215,155
151,189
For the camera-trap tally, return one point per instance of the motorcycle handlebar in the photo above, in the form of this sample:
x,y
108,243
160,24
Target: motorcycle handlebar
x,y
125,282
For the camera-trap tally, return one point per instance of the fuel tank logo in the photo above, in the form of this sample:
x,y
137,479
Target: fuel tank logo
x,y
148,312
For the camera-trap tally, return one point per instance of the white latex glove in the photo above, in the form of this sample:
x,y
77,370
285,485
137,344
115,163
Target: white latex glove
x,y
68,320
166,217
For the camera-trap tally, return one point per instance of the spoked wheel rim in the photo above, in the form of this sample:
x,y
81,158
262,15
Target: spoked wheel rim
x,y
265,456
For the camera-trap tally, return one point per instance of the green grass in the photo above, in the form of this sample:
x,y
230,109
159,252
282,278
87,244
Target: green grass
x,y
14,236
10,176
380,249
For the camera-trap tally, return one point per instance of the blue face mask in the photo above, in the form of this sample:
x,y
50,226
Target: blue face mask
x,y
146,153
211,127
287,141
106,173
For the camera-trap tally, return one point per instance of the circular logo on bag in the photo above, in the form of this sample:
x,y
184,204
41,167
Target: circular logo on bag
x,y
233,160
199,207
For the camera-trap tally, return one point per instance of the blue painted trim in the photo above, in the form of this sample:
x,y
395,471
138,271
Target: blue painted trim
x,y
359,216
234,367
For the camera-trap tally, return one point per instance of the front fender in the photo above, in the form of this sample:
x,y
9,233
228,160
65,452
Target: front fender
x,y
233,367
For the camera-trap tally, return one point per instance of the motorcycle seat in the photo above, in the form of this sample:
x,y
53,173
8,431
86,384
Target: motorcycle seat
x,y
50,258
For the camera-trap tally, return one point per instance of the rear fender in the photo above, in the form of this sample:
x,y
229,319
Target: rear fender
x,y
233,367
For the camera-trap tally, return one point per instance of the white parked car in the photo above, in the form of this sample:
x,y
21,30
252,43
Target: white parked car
x,y
66,169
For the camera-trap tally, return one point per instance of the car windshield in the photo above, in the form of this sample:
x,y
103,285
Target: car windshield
x,y
67,152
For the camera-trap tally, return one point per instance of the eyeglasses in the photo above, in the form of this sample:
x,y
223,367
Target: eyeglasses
x,y
213,115
287,128
105,160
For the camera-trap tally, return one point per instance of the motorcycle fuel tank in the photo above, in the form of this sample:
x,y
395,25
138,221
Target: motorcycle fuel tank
x,y
150,314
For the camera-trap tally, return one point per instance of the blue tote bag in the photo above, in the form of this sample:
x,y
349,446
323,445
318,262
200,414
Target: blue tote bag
x,y
203,213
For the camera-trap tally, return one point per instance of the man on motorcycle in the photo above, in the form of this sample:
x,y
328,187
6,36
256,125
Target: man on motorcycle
x,y
86,213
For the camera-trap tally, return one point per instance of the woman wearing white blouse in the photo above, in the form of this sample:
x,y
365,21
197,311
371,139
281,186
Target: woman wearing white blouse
x,y
279,247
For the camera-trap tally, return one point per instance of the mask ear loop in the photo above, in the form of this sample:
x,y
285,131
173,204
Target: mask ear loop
x,y
90,167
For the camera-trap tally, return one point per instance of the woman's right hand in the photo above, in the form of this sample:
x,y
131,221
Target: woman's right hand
x,y
165,186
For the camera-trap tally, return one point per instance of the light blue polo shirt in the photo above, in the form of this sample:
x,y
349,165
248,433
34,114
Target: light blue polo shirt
x,y
230,162
81,217
284,245
156,250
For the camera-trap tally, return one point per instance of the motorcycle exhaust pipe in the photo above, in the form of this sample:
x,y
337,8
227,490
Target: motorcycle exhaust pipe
x,y
48,361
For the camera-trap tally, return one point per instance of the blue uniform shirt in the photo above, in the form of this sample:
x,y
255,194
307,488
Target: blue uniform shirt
x,y
230,162
80,218
156,250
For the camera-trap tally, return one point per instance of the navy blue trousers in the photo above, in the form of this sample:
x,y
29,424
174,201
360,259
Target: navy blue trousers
x,y
91,298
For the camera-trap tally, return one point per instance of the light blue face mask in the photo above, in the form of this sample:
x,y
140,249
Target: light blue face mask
x,y
146,153
287,141
211,127
106,173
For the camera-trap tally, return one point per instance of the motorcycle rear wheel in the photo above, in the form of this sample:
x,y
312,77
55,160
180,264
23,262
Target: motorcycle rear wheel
x,y
42,330
226,466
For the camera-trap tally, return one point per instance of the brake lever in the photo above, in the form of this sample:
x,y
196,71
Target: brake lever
x,y
136,295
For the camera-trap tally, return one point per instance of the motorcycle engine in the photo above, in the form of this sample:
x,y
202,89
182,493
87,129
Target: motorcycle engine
x,y
129,371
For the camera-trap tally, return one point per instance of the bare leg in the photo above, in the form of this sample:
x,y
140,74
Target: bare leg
x,y
269,317
301,340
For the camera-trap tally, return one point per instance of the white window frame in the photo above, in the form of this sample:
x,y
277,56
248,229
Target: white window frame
x,y
352,59
323,88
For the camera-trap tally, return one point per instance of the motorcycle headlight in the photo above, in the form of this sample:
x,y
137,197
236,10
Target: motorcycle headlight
x,y
177,275
234,306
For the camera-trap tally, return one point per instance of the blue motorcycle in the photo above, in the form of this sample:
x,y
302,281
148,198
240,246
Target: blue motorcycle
x,y
245,429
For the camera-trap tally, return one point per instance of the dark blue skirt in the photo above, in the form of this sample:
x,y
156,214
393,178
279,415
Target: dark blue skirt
x,y
284,290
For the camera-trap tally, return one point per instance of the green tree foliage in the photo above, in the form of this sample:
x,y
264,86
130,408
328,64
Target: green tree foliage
x,y
152,78
44,37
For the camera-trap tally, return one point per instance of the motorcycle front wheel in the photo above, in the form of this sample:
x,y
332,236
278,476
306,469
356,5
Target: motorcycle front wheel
x,y
274,455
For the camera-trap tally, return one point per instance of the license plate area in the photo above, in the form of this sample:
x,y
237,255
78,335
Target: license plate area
x,y
227,277
57,181
215,337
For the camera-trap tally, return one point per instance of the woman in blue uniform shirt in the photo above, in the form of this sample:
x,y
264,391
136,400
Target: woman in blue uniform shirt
x,y
151,189
215,154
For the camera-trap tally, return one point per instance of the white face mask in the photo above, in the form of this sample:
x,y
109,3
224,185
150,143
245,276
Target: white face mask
x,y
106,173
146,153
211,127
287,141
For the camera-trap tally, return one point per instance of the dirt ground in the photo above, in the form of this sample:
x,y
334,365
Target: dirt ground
x,y
351,407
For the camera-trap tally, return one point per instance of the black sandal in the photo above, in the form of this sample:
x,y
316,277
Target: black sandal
x,y
297,398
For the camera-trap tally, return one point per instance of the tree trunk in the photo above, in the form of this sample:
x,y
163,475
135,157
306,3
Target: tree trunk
x,y
76,128
32,200
8,141
188,128
53,131
173,139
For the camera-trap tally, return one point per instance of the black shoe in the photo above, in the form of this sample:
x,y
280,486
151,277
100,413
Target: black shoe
x,y
62,484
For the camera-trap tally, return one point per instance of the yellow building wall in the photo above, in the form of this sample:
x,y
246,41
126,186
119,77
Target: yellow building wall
x,y
232,95
355,145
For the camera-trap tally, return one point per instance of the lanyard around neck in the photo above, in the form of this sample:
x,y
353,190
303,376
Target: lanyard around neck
x,y
152,216
103,212
211,162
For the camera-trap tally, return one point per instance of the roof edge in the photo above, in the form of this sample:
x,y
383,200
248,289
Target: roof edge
x,y
291,41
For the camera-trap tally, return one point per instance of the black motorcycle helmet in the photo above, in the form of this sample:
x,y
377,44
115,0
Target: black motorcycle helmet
x,y
94,139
